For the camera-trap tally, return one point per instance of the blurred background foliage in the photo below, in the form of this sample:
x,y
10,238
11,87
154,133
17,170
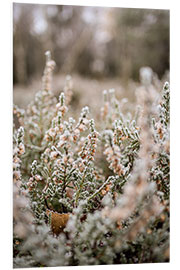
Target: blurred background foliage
x,y
93,42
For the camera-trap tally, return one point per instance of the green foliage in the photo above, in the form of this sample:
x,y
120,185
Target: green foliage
x,y
68,211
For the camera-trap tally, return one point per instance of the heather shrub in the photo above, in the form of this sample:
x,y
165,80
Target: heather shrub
x,y
85,195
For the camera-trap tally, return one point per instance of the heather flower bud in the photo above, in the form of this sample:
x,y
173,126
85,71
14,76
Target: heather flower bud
x,y
54,155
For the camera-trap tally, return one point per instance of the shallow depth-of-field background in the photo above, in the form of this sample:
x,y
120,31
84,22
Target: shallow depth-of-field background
x,y
100,48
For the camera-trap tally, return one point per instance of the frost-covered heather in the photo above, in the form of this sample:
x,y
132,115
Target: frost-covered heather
x,y
84,196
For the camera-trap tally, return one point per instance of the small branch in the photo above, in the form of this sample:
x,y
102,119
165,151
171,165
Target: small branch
x,y
103,185
35,148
